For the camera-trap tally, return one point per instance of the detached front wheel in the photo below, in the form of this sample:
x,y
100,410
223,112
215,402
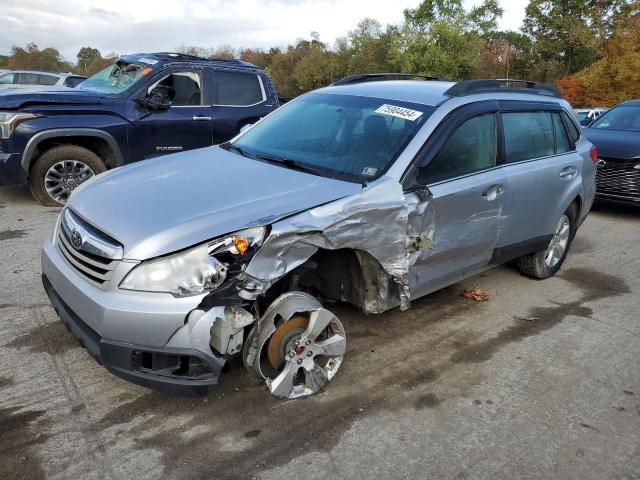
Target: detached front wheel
x,y
297,347
60,170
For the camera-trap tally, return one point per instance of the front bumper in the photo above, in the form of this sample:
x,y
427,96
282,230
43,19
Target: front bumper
x,y
147,339
11,172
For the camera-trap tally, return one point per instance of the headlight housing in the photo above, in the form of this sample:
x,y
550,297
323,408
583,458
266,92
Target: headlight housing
x,y
197,270
9,121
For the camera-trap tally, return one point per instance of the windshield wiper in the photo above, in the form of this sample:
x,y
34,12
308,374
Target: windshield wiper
x,y
230,146
293,164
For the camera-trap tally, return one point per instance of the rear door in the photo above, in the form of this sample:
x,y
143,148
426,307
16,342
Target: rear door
x,y
467,190
542,170
240,98
185,125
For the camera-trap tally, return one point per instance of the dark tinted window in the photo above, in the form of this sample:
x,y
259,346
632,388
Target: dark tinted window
x,y
563,144
48,80
238,88
471,148
73,81
574,133
26,78
527,135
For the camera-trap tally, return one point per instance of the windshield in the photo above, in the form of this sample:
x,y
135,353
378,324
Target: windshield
x,y
339,136
115,78
624,117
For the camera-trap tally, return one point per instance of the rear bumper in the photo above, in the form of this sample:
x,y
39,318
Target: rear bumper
x,y
11,172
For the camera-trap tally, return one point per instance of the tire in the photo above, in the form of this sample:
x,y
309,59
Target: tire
x,y
71,164
538,265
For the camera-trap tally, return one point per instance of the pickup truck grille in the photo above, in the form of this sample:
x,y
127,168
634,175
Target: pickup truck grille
x,y
618,177
93,267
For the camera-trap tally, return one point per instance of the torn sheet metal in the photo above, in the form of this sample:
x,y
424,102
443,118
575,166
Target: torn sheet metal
x,y
374,221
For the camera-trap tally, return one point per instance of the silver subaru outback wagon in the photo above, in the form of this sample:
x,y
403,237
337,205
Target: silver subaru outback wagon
x,y
371,191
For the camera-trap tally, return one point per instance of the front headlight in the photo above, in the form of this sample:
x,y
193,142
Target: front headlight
x,y
9,121
197,270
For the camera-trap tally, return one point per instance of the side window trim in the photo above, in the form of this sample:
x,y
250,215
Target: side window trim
x,y
260,82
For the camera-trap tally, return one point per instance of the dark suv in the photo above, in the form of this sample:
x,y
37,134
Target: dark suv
x,y
142,106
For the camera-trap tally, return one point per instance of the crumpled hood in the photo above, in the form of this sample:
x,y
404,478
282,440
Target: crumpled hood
x,y
18,98
614,143
162,205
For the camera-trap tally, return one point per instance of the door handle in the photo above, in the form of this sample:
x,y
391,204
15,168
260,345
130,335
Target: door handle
x,y
201,118
493,192
568,172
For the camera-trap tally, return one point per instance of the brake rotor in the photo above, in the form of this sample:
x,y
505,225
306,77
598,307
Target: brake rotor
x,y
282,339
297,346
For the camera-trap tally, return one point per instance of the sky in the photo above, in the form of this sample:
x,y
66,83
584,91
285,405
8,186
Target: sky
x,y
127,26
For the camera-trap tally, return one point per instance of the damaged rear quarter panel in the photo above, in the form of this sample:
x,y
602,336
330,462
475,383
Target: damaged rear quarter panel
x,y
375,221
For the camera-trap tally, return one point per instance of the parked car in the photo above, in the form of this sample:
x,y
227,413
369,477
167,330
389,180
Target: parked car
x,y
587,115
616,134
368,192
142,106
34,80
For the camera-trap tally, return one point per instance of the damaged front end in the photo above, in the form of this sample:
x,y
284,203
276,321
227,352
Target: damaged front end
x,y
357,250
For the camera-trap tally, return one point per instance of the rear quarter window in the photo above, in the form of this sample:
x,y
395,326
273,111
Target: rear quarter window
x,y
238,89
527,135
73,81
48,80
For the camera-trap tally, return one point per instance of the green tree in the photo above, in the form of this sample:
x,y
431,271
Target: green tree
x,y
86,57
568,35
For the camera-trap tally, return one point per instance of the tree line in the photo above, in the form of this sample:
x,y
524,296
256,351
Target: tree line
x,y
589,48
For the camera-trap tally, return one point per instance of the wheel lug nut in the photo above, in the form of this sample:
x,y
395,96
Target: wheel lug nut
x,y
309,353
299,361
308,342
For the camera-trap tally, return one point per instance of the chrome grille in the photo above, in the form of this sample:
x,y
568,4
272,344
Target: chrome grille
x,y
93,264
618,177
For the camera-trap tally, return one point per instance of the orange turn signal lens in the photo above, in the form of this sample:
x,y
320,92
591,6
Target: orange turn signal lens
x,y
241,244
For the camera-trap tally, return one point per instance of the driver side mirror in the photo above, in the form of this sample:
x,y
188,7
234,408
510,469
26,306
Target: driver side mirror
x,y
160,98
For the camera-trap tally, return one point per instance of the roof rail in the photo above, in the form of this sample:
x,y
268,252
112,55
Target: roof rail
x,y
468,87
378,77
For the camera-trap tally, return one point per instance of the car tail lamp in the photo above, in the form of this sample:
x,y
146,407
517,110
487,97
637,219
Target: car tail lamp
x,y
593,151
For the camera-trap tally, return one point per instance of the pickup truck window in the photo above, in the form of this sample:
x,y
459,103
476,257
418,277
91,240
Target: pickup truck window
x,y
186,87
238,89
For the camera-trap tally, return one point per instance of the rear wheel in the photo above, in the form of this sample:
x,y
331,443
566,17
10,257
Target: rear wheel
x,y
60,170
546,263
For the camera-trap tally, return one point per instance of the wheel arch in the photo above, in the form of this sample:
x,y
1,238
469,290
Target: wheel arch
x,y
98,141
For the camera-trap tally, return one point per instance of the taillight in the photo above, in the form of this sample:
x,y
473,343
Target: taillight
x,y
593,151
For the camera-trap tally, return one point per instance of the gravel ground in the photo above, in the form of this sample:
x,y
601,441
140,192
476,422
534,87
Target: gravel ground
x,y
449,389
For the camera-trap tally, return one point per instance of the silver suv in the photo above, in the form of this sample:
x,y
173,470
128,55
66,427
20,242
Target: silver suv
x,y
371,191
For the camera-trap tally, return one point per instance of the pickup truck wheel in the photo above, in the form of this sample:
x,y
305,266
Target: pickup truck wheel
x,y
297,347
546,263
60,170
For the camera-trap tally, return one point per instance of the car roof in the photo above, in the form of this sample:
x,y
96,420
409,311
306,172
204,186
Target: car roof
x,y
435,92
41,72
169,58
633,103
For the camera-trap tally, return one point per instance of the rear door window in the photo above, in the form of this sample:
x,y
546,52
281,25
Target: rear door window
x,y
26,78
471,148
527,135
47,80
563,143
238,89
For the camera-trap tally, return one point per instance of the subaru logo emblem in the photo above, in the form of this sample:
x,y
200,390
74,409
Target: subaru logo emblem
x,y
76,239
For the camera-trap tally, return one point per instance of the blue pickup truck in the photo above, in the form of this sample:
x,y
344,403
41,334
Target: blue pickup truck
x,y
142,106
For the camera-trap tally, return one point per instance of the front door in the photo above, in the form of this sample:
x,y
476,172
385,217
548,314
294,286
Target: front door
x,y
466,192
185,125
